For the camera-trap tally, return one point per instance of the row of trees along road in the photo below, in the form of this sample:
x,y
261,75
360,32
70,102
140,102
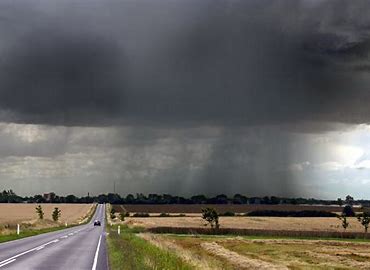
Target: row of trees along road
x,y
57,213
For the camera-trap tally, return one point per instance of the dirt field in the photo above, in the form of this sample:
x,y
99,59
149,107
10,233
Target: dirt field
x,y
243,253
267,223
221,208
25,213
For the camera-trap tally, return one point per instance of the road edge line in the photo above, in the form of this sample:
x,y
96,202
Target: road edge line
x,y
96,255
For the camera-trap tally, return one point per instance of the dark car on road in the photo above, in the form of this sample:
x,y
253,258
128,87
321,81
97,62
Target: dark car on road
x,y
97,223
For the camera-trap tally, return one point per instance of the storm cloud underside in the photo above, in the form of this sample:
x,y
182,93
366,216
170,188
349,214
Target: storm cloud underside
x,y
215,91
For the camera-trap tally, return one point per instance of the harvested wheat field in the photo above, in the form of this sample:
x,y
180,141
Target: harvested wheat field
x,y
246,253
25,213
258,223
222,208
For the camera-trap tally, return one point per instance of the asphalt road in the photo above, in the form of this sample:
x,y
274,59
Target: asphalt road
x,y
80,247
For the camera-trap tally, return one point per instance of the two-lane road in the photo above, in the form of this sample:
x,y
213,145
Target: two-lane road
x,y
80,247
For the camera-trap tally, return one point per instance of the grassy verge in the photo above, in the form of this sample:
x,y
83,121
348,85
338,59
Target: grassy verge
x,y
89,215
128,251
33,232
28,233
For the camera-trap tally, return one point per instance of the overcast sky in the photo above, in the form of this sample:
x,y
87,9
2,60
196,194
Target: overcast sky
x,y
260,97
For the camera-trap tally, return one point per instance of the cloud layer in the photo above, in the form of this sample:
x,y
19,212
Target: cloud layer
x,y
181,62
178,96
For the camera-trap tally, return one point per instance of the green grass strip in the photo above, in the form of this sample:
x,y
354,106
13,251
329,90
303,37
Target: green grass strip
x,y
128,251
28,233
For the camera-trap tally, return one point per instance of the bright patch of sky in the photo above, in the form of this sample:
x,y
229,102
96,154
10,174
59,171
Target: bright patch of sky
x,y
337,163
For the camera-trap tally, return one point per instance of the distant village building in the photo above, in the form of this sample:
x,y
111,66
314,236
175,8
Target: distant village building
x,y
48,197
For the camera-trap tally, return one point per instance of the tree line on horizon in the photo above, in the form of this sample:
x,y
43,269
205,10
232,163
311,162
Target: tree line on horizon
x,y
9,196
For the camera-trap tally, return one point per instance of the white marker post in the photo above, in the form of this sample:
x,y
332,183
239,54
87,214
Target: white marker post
x,y
18,229
119,230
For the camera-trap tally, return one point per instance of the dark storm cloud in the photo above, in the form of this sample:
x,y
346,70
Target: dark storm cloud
x,y
242,160
54,77
182,62
196,94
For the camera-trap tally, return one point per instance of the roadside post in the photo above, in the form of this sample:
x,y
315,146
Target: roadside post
x,y
18,229
119,230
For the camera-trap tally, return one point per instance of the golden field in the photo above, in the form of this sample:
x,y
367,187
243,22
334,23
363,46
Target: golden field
x,y
11,214
222,208
258,223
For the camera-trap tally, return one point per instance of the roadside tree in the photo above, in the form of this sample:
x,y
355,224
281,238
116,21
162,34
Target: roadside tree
x,y
56,214
348,211
364,219
40,212
349,200
343,218
211,216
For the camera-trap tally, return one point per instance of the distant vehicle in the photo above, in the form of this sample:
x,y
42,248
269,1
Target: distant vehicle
x,y
97,223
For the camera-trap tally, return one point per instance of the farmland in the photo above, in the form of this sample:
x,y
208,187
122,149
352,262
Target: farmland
x,y
192,217
25,214
253,253
221,208
135,249
256,223
189,243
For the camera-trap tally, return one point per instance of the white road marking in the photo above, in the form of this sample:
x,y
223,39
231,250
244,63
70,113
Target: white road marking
x,y
96,254
1,265
5,262
12,259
